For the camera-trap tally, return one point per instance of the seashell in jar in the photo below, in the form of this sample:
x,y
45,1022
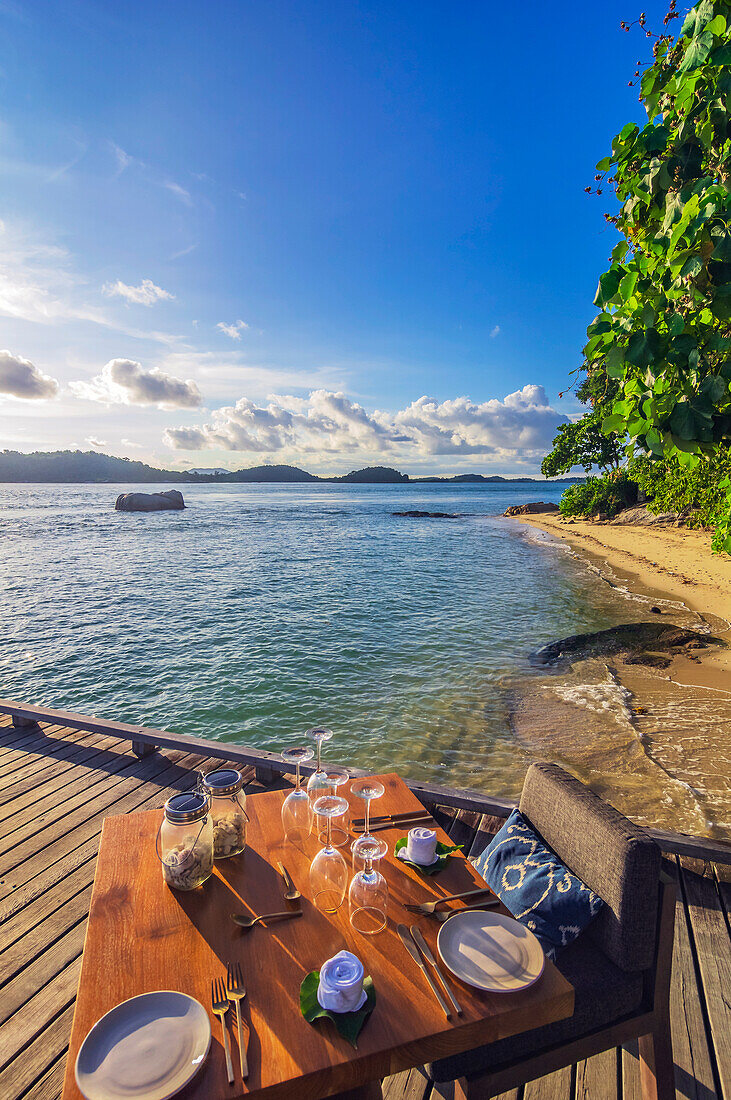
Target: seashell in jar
x,y
185,867
229,834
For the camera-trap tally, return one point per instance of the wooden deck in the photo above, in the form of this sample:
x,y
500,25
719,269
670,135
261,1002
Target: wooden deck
x,y
59,783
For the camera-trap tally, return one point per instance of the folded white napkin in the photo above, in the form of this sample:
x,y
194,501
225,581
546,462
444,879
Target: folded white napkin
x,y
422,846
341,983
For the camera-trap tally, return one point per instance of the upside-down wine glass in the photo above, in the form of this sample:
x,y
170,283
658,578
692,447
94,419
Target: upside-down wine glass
x,y
340,829
368,895
296,809
367,789
328,870
317,784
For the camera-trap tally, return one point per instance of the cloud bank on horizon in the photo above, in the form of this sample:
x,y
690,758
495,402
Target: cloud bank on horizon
x,y
520,427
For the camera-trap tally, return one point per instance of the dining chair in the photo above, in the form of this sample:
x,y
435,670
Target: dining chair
x,y
619,966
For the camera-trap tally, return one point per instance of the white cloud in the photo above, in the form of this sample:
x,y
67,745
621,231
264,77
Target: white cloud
x,y
234,330
146,294
20,378
179,192
130,443
95,442
519,427
495,332
126,382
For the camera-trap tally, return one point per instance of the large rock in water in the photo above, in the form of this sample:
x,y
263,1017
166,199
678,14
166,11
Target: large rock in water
x,y
149,502
637,643
530,509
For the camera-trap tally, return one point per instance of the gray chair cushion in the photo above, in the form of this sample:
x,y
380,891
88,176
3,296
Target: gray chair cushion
x,y
604,993
613,856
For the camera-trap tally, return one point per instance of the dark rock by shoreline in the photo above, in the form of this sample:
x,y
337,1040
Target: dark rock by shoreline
x,y
534,509
149,502
653,644
414,514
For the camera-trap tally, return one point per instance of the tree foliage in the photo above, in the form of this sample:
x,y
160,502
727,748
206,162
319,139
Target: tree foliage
x,y
582,442
663,332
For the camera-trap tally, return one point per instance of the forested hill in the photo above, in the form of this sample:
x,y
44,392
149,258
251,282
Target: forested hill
x,y
75,467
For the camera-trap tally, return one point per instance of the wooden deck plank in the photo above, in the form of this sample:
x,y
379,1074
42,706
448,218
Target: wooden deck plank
x,y
42,1065
60,824
41,971
597,1077
33,749
37,1013
709,935
50,1085
554,1086
39,935
71,843
58,769
412,1084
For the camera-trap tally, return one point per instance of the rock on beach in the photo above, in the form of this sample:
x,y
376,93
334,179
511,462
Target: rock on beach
x,y
534,509
149,502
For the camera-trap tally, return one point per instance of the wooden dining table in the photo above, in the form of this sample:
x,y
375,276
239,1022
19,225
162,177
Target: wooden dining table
x,y
143,936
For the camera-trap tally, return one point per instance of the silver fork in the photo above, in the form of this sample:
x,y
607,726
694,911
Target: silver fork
x,y
219,1000
236,993
428,907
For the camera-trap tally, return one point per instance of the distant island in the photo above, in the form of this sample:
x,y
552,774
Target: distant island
x,y
76,467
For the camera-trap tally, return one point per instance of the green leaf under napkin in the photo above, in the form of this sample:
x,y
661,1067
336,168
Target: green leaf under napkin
x,y
348,1024
444,851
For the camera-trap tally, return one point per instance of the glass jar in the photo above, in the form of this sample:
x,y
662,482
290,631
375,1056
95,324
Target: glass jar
x,y
228,809
186,840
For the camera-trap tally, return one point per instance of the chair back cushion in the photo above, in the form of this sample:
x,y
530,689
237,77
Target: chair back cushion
x,y
536,887
613,856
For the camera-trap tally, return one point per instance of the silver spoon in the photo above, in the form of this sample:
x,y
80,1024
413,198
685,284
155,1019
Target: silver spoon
x,y
249,922
291,892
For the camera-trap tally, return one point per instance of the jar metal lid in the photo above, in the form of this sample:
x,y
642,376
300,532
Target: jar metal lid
x,y
227,781
184,808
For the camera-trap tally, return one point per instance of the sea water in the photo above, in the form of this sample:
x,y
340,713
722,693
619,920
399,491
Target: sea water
x,y
262,610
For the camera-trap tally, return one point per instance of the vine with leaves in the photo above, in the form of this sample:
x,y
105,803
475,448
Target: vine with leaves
x,y
663,333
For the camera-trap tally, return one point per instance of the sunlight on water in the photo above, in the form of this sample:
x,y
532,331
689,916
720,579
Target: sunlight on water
x,y
262,610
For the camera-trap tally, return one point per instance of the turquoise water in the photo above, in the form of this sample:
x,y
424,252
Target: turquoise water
x,y
262,610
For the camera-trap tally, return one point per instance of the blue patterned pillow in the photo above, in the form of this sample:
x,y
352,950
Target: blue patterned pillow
x,y
534,885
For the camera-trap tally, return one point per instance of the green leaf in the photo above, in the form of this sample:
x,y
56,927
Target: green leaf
x,y
692,266
444,851
643,346
715,388
717,25
682,421
612,424
627,285
721,56
698,50
608,287
347,1024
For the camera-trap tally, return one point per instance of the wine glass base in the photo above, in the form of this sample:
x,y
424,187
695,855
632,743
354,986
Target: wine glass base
x,y
368,920
328,901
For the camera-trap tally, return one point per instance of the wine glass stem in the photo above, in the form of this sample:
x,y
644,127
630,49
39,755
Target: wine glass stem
x,y
319,747
329,832
368,816
297,784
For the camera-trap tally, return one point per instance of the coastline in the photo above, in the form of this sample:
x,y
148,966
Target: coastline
x,y
680,714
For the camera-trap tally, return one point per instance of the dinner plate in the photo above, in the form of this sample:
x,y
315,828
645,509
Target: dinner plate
x,y
490,951
146,1048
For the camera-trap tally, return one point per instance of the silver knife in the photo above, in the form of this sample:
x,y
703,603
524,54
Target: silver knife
x,y
424,948
414,952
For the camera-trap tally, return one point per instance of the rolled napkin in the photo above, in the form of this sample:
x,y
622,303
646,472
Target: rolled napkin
x,y
422,846
341,983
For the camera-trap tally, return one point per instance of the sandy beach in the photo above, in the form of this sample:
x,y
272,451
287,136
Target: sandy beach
x,y
681,713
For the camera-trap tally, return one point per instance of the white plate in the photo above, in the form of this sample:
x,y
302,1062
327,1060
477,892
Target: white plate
x,y
146,1048
490,951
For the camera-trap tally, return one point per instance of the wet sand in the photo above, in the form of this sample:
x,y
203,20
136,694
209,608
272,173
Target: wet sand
x,y
656,742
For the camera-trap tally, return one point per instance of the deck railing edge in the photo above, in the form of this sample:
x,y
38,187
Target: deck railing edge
x,y
270,764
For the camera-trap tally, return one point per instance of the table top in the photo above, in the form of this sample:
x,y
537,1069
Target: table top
x,y
144,936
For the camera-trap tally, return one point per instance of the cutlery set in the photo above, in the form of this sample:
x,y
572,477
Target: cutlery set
x,y
412,939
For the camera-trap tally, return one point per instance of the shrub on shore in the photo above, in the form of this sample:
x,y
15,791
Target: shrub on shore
x,y
596,496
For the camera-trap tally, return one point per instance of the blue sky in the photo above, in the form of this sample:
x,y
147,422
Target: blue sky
x,y
328,233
